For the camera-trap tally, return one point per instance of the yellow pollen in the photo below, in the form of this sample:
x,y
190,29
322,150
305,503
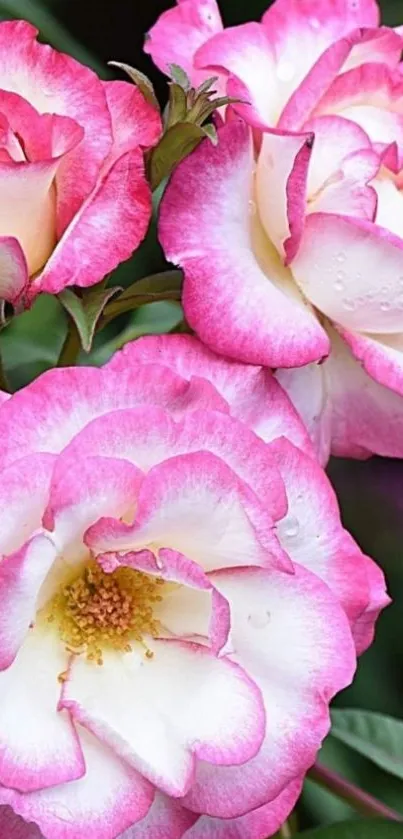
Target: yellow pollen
x,y
98,611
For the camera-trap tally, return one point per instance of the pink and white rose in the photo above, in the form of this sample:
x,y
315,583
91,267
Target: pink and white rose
x,y
291,231
179,600
74,198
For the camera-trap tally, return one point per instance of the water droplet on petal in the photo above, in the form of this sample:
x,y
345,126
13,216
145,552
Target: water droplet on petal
x,y
358,276
385,306
291,526
341,257
285,70
385,289
160,562
259,619
349,305
339,285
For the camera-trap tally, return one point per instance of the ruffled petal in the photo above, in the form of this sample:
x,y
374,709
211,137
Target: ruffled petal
x,y
295,638
108,799
195,504
161,715
39,747
237,307
55,83
251,392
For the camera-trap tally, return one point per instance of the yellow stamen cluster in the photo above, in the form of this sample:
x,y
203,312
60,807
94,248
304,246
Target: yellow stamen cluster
x,y
99,611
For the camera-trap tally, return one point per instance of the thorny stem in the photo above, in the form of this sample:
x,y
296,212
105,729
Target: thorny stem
x,y
353,795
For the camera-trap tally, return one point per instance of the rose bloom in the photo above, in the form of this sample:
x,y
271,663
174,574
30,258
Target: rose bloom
x,y
292,245
179,600
74,198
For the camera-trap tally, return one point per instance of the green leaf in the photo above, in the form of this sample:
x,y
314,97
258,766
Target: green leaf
x,y
85,311
32,341
155,319
375,736
177,105
179,141
179,76
206,86
141,80
211,132
166,285
374,829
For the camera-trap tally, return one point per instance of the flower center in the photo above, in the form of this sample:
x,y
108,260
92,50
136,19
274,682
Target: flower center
x,y
98,611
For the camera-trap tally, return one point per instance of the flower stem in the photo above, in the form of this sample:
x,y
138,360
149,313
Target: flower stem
x,y
285,831
353,795
4,384
70,348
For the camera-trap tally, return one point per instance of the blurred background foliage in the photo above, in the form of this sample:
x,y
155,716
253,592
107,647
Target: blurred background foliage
x,y
370,493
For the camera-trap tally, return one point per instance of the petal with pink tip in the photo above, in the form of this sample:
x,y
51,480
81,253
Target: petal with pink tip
x,y
13,270
108,799
258,824
244,53
179,32
149,435
300,30
269,610
313,536
306,389
21,577
281,188
51,410
352,271
55,83
367,417
82,491
195,504
165,817
380,355
24,490
107,229
39,747
358,47
251,392
210,710
371,96
238,307
135,122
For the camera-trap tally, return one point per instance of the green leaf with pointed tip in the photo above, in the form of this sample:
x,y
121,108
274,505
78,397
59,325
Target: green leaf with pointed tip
x,y
211,132
177,109
206,86
179,141
85,311
166,285
179,76
376,736
140,80
374,829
